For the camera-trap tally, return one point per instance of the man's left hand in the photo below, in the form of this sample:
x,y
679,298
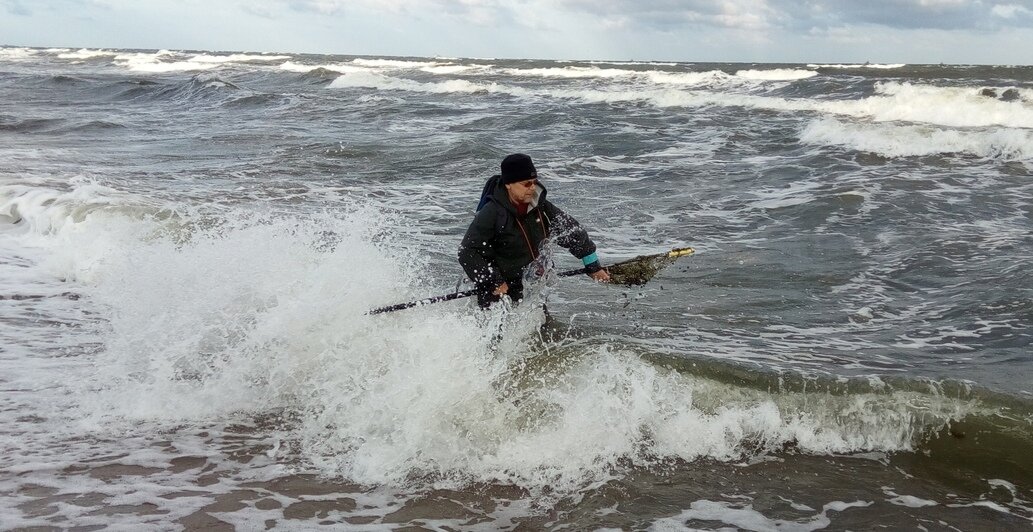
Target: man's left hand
x,y
601,276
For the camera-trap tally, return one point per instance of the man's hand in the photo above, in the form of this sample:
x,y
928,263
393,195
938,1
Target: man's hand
x,y
504,288
601,276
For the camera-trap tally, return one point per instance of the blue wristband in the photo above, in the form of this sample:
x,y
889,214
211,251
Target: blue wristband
x,y
589,259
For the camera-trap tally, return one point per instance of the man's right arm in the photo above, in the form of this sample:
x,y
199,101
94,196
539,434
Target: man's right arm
x,y
477,250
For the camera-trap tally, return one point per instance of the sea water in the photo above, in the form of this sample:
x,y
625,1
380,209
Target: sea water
x,y
189,243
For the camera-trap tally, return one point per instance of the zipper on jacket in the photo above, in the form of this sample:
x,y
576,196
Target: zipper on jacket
x,y
534,256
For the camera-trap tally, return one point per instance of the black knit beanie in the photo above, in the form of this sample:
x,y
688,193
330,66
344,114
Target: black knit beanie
x,y
517,167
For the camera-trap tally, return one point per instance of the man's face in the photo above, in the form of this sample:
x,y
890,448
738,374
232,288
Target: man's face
x,y
522,191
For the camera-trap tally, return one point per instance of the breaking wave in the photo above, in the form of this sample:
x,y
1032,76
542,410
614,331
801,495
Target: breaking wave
x,y
894,140
265,313
892,102
875,66
778,74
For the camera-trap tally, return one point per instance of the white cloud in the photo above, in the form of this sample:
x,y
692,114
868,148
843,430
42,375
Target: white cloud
x,y
1010,11
745,14
479,12
672,15
851,35
615,23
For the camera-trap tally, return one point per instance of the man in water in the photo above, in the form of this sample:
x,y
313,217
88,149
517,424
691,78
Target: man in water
x,y
512,221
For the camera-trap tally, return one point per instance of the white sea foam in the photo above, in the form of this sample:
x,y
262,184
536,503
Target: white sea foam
x,y
861,65
894,140
894,102
617,75
374,80
777,74
334,67
631,63
611,165
174,66
571,72
254,312
797,193
386,81
237,58
710,77
948,106
910,501
747,518
16,54
998,483
85,53
160,62
453,69
46,211
997,507
393,63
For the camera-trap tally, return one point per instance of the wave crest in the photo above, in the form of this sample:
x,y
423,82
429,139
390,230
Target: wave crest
x,y
894,140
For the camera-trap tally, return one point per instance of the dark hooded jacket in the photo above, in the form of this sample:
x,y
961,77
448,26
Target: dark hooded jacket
x,y
500,243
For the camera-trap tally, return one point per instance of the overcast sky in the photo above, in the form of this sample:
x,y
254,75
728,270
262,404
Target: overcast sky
x,y
880,31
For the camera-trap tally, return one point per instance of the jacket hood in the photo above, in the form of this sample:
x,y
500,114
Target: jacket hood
x,y
501,197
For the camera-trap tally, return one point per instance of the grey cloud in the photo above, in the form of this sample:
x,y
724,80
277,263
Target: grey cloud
x,y
667,15
670,15
643,14
256,10
15,7
304,6
816,14
452,7
663,14
899,14
648,13
18,7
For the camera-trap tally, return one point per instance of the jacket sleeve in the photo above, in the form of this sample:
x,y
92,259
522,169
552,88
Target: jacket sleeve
x,y
477,250
569,234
